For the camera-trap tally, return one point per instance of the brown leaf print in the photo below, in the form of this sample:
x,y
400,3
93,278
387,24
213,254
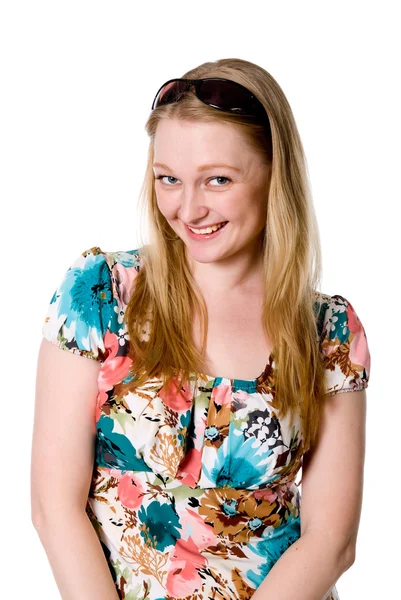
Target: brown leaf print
x,y
339,356
225,551
224,591
244,591
147,559
100,484
167,453
156,491
130,519
170,417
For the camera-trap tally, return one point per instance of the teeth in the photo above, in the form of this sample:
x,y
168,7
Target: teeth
x,y
207,229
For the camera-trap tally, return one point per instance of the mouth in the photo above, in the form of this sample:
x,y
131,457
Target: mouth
x,y
207,233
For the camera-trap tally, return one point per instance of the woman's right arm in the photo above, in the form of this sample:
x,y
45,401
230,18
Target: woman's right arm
x,y
61,471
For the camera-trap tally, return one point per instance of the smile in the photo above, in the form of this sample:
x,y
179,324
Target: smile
x,y
206,233
208,229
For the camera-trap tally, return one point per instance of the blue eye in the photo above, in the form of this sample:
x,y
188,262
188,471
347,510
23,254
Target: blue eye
x,y
162,177
216,177
221,177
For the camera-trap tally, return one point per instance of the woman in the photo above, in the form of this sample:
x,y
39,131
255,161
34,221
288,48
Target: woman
x,y
166,466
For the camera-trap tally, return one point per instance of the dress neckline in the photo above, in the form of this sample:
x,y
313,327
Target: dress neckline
x,y
248,385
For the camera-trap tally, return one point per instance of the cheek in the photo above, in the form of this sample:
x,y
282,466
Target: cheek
x,y
164,205
262,212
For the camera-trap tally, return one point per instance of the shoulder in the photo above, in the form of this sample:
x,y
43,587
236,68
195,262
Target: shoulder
x,y
337,319
343,343
89,299
97,273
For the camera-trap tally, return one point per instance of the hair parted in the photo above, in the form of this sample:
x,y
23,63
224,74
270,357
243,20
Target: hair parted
x,y
165,293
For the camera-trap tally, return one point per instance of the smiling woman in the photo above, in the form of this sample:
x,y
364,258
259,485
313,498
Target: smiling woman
x,y
218,360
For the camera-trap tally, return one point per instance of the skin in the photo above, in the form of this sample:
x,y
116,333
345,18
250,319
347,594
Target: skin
x,y
186,195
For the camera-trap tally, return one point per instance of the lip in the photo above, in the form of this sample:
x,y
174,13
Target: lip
x,y
205,226
204,236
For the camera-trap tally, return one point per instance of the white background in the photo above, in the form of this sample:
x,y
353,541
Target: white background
x,y
77,81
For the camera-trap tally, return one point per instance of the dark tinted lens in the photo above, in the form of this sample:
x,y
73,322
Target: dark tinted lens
x,y
227,96
170,92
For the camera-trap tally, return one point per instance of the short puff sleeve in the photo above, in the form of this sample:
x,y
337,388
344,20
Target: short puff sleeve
x,y
344,346
82,306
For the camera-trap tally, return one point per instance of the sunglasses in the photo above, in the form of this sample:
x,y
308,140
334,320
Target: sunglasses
x,y
223,94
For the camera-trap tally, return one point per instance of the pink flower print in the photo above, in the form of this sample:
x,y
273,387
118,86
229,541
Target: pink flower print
x,y
267,494
200,427
278,493
183,577
124,278
194,527
359,351
221,394
130,491
116,473
179,400
354,323
112,371
189,469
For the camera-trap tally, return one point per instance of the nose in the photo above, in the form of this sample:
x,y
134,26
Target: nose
x,y
192,207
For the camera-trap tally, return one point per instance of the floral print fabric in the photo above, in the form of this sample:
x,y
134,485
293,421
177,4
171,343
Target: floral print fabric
x,y
193,492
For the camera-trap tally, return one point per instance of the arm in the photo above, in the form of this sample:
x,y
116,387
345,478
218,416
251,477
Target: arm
x,y
61,471
331,501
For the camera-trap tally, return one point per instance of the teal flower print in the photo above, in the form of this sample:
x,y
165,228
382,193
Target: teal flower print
x,y
86,298
114,450
271,547
162,524
183,428
338,322
238,465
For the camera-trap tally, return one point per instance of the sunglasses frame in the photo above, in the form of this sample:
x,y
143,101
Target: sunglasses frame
x,y
258,109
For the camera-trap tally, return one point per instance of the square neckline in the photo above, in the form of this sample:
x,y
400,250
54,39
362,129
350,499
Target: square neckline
x,y
247,385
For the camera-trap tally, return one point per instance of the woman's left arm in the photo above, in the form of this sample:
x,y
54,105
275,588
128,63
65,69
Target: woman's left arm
x,y
331,502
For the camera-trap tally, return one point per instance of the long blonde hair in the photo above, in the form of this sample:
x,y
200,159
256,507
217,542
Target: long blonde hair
x,y
165,291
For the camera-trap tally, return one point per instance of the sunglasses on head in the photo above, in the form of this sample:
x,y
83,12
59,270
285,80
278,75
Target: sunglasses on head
x,y
220,93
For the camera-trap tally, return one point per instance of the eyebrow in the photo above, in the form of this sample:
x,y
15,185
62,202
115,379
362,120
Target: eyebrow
x,y
203,167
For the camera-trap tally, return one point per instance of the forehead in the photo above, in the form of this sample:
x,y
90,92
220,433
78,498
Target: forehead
x,y
189,143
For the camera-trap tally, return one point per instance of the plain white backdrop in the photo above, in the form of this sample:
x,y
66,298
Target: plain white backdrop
x,y
77,82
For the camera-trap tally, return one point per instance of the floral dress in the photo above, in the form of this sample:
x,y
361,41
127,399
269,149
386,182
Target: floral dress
x,y
193,493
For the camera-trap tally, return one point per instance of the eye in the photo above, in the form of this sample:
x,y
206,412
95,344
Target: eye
x,y
163,176
221,177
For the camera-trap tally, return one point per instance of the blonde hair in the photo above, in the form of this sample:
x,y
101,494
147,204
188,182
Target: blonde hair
x,y
165,290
